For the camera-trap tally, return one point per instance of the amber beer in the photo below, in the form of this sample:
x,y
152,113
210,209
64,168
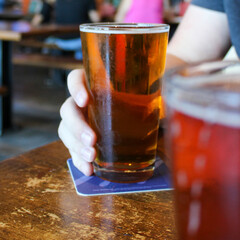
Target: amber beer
x,y
204,142
124,65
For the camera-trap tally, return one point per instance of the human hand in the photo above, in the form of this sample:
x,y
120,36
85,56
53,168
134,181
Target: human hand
x,y
74,130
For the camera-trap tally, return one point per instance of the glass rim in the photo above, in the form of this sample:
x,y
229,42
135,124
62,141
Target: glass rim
x,y
124,28
206,84
199,76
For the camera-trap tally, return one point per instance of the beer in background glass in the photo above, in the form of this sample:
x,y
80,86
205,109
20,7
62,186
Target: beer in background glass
x,y
203,109
124,66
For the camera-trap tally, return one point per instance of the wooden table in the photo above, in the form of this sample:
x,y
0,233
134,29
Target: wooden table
x,y
38,201
11,14
18,31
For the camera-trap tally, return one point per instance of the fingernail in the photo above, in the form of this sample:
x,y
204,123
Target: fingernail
x,y
87,154
86,138
80,99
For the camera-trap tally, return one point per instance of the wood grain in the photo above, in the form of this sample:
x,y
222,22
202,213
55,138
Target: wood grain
x,y
38,201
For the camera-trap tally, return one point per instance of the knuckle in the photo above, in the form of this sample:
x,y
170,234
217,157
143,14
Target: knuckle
x,y
62,110
82,165
78,163
76,146
60,130
70,76
64,139
73,77
65,107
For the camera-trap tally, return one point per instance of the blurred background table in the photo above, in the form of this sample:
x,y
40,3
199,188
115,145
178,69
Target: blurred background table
x,y
11,14
38,201
11,10
16,31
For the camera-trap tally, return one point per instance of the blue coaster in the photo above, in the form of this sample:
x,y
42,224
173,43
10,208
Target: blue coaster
x,y
93,185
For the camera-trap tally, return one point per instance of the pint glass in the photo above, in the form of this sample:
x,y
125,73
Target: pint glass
x,y
124,65
203,109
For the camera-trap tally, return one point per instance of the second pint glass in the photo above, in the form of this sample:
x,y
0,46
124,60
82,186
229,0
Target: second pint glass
x,y
203,106
124,66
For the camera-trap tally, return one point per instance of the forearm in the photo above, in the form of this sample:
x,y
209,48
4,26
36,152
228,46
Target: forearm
x,y
122,10
37,20
94,16
198,39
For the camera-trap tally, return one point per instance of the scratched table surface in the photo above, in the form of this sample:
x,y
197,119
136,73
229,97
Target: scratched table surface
x,y
38,201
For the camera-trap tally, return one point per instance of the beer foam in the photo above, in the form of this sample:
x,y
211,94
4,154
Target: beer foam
x,y
121,28
224,108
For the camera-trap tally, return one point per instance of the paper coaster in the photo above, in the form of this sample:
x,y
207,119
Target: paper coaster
x,y
93,185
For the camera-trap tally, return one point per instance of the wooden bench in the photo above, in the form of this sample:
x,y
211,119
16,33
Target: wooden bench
x,y
47,61
44,60
3,90
39,44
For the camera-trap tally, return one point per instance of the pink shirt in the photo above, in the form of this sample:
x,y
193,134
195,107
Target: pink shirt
x,y
145,11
